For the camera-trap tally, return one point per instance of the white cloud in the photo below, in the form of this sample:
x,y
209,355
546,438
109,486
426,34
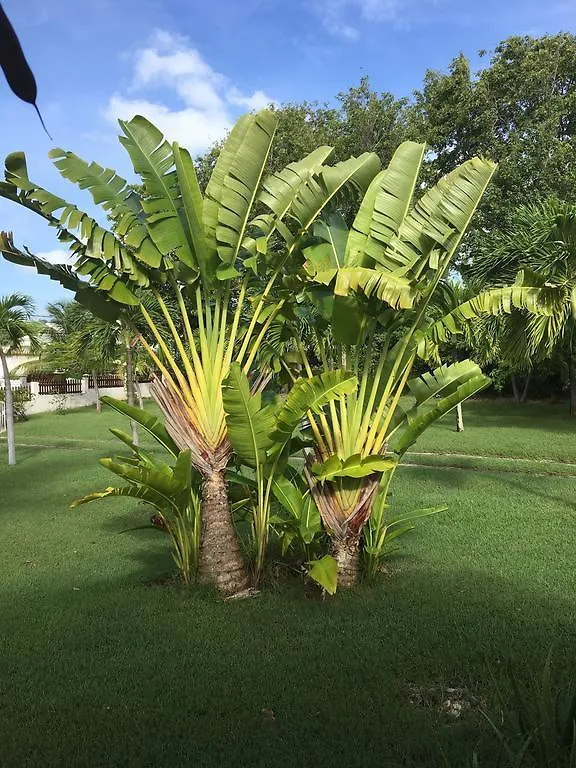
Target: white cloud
x,y
198,104
55,257
257,101
338,16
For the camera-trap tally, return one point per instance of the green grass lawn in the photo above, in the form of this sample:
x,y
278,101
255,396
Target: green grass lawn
x,y
101,666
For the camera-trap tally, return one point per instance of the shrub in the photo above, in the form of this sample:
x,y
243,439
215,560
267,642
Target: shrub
x,y
21,397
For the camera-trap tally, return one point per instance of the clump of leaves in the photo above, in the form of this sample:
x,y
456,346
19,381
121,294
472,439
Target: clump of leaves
x,y
21,399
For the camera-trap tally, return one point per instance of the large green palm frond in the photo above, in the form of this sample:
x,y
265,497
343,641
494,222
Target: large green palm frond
x,y
279,190
427,238
116,196
384,206
105,295
153,159
234,186
435,394
322,189
97,250
539,300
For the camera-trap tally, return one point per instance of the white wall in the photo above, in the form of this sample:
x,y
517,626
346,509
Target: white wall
x,y
46,403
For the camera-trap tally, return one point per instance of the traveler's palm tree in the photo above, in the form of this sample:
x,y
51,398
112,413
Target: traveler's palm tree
x,y
377,283
221,255
16,327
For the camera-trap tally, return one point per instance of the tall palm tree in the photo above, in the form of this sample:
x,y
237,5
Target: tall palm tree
x,y
16,326
540,240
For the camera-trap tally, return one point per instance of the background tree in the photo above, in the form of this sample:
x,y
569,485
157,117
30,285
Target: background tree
x,y
362,120
16,327
520,111
541,240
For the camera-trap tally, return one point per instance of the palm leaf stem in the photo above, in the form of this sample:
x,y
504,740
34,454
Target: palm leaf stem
x,y
199,370
192,377
255,315
235,323
188,397
256,345
323,420
381,435
366,413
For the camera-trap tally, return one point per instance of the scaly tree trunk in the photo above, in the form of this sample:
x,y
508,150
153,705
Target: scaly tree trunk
x,y
130,394
97,392
459,418
9,404
347,555
572,374
221,561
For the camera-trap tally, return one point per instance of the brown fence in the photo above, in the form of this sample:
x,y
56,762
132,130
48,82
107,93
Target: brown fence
x,y
59,387
106,380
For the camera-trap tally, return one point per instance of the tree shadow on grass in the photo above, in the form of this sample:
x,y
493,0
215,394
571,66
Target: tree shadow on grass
x,y
126,675
563,502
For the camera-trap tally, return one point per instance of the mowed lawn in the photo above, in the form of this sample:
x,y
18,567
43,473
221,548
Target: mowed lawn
x,y
101,665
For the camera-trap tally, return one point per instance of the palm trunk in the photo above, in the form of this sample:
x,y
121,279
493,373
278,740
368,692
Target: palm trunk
x,y
130,388
9,404
97,392
221,560
526,388
347,557
138,393
459,418
515,389
572,374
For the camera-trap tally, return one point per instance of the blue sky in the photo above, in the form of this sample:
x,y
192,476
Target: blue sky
x,y
193,67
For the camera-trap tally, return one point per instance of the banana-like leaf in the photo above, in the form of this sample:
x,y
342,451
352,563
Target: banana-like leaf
x,y
353,466
395,290
288,495
235,183
150,423
166,482
321,188
193,204
310,394
250,424
97,251
431,232
117,198
419,419
411,518
384,206
279,190
153,160
138,492
442,381
325,573
99,303
323,260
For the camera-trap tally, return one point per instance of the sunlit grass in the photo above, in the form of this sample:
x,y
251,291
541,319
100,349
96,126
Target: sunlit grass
x,y
101,666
